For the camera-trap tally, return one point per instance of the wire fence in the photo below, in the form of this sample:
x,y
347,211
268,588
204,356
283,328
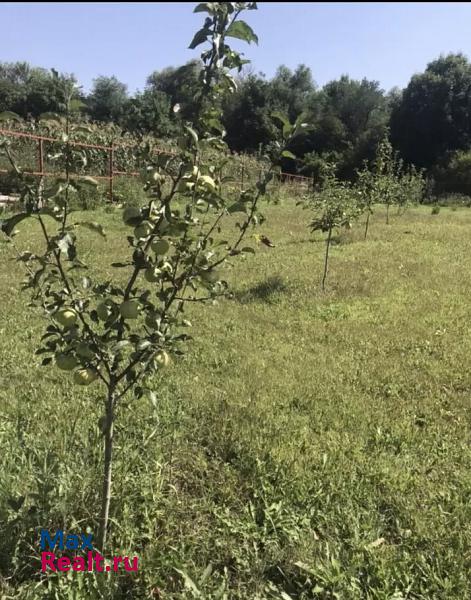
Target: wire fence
x,y
36,154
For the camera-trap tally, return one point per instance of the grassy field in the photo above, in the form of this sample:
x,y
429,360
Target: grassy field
x,y
309,446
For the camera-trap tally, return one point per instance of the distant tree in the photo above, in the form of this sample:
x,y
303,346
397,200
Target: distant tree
x,y
150,112
348,119
433,117
454,175
107,100
180,84
29,91
246,115
289,91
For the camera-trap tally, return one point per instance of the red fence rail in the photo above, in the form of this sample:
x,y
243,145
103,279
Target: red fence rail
x,y
111,171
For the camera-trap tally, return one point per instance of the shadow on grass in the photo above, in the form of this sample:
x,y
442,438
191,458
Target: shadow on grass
x,y
265,291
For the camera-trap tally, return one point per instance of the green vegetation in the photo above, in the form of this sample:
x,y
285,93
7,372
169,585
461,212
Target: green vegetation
x,y
429,121
306,441
311,445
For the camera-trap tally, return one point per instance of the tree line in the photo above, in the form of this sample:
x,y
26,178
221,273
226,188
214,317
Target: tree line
x,y
428,122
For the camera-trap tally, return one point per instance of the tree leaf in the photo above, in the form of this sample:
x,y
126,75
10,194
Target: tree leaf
x,y
193,134
66,245
8,225
87,181
287,127
50,212
93,226
8,115
120,265
288,154
200,37
204,7
237,207
50,116
76,104
241,31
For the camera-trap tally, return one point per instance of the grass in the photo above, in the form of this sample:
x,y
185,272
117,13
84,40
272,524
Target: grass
x,y
309,446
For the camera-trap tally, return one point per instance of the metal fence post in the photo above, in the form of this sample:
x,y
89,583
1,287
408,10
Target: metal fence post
x,y
41,172
110,172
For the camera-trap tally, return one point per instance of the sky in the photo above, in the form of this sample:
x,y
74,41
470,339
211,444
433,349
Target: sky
x,y
383,41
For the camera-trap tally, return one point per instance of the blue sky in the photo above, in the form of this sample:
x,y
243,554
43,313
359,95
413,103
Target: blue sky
x,y
383,41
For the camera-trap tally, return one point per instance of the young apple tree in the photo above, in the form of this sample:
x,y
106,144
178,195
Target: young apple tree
x,y
122,335
388,182
335,205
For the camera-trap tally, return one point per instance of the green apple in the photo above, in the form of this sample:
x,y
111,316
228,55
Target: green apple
x,y
66,362
162,359
143,230
129,309
84,351
85,376
67,317
132,215
160,246
152,274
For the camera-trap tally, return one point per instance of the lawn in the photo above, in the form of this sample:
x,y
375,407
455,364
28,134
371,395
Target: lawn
x,y
309,445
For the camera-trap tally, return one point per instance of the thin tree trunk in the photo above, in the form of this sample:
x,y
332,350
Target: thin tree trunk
x,y
367,223
106,490
326,258
387,214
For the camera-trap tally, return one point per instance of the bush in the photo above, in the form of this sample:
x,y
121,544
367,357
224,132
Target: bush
x,y
455,176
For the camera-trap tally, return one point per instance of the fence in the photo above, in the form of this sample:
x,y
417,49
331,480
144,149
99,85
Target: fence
x,y
37,162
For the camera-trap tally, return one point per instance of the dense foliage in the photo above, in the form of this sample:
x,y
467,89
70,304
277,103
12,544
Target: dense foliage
x,y
429,121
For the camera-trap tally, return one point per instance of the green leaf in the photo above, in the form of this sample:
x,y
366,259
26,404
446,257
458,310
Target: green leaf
x,y
193,134
87,181
93,226
67,246
248,250
120,265
189,583
8,225
76,104
288,154
200,37
50,212
287,127
50,116
304,567
241,31
237,207
8,115
153,398
217,125
204,7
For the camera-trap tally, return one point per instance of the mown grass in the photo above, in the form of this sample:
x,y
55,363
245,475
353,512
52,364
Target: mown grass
x,y
309,445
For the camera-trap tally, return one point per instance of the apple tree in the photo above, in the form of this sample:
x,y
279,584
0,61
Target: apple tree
x,y
120,335
334,206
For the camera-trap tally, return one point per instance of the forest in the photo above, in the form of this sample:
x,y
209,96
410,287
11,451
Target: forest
x,y
428,122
